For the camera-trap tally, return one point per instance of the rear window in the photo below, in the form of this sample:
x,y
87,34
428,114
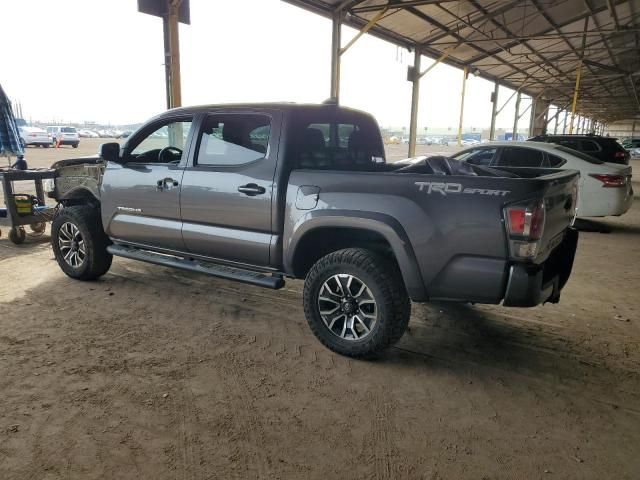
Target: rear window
x,y
335,141
580,155
68,130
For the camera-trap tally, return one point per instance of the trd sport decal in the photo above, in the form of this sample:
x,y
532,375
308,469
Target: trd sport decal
x,y
454,188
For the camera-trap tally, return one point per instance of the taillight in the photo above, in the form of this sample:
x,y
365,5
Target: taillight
x,y
525,226
619,154
610,181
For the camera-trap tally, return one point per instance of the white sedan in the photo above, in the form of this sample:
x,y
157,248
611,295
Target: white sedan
x,y
34,136
605,188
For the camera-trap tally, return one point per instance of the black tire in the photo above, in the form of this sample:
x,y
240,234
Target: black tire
x,y
75,145
383,280
96,260
46,145
17,235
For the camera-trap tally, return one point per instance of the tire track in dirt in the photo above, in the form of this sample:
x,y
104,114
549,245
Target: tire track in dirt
x,y
248,420
189,445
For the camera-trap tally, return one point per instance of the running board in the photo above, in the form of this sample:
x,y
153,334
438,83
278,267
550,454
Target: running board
x,y
215,270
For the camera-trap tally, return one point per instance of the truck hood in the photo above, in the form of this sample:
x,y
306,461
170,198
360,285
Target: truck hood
x,y
77,161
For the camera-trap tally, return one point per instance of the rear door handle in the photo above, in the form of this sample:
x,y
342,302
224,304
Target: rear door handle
x,y
166,184
251,189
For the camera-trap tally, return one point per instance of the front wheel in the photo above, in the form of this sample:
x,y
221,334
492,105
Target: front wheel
x,y
75,145
79,242
356,303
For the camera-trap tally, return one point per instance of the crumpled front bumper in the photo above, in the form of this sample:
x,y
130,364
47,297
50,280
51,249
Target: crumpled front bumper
x,y
529,285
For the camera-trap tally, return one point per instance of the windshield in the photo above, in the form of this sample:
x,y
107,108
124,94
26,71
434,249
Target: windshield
x,y
580,155
68,130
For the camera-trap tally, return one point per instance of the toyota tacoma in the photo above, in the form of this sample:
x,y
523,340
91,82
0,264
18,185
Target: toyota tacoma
x,y
265,192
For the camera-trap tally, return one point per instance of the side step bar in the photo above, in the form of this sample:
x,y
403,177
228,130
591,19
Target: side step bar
x,y
220,271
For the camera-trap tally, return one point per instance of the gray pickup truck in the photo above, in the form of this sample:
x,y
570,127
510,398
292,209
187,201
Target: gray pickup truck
x,y
259,193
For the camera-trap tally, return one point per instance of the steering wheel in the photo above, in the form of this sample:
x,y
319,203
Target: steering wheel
x,y
166,150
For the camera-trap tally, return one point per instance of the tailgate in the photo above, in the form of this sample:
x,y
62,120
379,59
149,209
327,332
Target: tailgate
x,y
559,197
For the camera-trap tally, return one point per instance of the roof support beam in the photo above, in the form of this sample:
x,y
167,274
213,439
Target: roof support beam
x,y
614,15
515,119
394,4
364,30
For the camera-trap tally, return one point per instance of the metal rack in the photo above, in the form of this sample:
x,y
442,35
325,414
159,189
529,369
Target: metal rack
x,y
40,214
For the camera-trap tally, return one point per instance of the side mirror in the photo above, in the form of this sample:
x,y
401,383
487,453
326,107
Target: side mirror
x,y
110,152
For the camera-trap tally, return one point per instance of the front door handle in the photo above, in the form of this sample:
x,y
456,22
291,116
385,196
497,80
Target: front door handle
x,y
166,184
252,189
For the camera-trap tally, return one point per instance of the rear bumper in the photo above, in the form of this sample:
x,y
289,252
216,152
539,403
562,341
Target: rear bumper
x,y
531,285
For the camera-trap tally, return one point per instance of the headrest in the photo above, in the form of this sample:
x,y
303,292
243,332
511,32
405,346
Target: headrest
x,y
312,139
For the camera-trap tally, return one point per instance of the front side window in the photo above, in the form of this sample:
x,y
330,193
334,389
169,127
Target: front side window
x,y
163,145
520,157
234,139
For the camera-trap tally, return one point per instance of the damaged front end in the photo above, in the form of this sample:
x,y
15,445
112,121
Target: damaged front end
x,y
79,178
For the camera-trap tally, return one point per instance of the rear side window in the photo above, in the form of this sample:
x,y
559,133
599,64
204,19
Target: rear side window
x,y
580,155
589,146
520,157
573,144
554,161
477,156
233,139
68,130
352,142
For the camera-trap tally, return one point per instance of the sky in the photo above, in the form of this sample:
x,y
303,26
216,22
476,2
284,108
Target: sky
x,y
102,61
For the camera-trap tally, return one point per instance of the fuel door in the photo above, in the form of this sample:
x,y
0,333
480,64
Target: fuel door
x,y
307,197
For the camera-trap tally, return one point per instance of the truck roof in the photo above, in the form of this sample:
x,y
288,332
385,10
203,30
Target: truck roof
x,y
283,106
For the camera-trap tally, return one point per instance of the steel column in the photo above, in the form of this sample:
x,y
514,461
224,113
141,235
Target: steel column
x,y
564,123
465,72
415,94
555,127
575,96
515,120
172,54
336,39
494,108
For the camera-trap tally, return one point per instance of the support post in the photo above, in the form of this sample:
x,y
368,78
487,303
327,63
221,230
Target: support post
x,y
555,127
564,123
494,109
174,98
515,120
575,96
415,94
336,31
465,72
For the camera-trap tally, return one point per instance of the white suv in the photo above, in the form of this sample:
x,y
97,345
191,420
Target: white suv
x,y
67,135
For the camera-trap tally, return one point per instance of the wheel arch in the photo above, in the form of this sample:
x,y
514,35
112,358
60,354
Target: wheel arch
x,y
322,234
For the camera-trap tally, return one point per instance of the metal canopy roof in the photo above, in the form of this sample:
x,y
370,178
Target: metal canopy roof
x,y
533,45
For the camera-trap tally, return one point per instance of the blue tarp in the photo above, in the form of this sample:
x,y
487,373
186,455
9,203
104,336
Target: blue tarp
x,y
9,136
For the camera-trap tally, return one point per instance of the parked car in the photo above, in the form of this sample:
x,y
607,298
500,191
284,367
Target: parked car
x,y
303,191
605,188
630,143
67,135
84,133
34,136
606,149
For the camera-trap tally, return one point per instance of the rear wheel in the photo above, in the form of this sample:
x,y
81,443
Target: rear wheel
x,y
75,145
79,242
355,302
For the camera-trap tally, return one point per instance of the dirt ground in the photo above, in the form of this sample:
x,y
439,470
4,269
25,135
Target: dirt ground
x,y
152,373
